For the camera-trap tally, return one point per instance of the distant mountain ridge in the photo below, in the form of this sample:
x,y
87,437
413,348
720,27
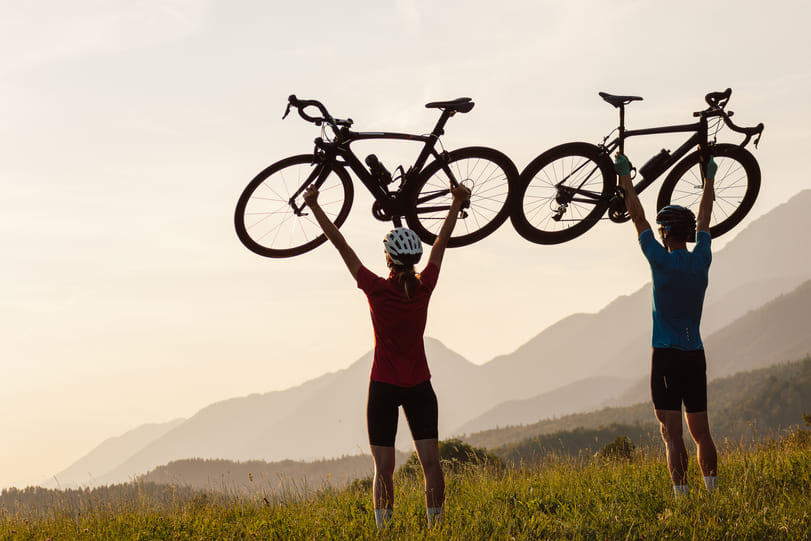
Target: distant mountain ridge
x,y
325,417
109,455
778,330
738,403
321,417
582,395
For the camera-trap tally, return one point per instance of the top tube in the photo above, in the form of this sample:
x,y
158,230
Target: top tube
x,y
356,136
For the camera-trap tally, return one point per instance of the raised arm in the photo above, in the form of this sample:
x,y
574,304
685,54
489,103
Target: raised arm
x,y
623,168
707,197
331,232
460,195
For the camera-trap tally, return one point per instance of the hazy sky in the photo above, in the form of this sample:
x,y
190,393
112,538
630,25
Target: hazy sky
x,y
129,130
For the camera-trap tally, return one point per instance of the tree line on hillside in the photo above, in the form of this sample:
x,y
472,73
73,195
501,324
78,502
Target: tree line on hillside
x,y
577,442
768,401
40,501
457,457
258,476
498,437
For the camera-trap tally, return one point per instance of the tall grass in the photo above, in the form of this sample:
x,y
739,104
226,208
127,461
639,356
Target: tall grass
x,y
763,493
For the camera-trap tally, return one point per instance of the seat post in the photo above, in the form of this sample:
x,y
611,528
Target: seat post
x,y
439,129
622,128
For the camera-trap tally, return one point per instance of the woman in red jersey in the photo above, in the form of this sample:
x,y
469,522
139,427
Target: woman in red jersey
x,y
400,375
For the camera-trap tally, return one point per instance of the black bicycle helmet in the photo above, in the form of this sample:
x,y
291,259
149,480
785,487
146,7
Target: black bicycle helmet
x,y
678,221
403,246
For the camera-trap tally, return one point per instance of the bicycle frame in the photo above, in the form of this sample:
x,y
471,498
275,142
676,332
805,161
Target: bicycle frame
x,y
389,205
569,188
699,139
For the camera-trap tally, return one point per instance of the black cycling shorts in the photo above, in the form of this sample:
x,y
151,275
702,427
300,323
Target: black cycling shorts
x,y
419,405
678,376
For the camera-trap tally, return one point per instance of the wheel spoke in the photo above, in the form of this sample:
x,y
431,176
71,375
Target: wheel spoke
x,y
480,170
737,181
266,221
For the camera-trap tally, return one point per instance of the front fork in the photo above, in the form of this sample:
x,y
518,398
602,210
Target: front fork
x,y
445,157
316,178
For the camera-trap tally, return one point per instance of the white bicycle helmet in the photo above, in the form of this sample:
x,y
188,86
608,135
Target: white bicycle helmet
x,y
403,246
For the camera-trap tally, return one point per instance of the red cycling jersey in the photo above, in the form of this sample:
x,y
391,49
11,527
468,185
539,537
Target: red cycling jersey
x,y
399,324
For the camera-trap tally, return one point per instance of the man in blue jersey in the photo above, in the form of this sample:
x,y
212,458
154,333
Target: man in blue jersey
x,y
678,365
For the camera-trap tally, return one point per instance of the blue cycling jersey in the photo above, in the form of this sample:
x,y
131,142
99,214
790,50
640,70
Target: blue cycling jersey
x,y
679,283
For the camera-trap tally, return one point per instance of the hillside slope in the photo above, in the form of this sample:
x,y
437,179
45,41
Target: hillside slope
x,y
741,407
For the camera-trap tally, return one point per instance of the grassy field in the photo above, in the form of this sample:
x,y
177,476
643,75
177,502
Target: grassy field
x,y
763,493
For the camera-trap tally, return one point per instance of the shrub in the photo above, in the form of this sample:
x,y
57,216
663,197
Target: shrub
x,y
455,455
799,437
622,448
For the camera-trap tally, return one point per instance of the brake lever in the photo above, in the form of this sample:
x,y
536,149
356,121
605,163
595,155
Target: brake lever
x,y
286,111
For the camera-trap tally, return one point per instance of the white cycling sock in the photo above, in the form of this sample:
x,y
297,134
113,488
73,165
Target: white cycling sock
x,y
382,517
434,515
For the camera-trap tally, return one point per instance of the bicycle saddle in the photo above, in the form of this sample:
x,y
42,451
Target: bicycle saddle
x,y
617,101
461,105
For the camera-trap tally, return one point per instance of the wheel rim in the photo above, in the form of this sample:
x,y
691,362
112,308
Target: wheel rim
x,y
268,221
731,185
489,185
543,199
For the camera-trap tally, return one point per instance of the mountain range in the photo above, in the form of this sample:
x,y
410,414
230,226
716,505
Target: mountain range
x,y
756,313
743,409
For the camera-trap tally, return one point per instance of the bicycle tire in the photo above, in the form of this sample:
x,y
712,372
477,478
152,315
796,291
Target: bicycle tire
x,y
737,183
488,173
265,222
538,198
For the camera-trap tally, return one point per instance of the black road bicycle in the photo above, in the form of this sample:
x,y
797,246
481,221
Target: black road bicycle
x,y
272,219
564,191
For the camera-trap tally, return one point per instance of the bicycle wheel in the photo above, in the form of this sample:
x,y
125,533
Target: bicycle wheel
x,y
265,221
488,173
737,183
562,193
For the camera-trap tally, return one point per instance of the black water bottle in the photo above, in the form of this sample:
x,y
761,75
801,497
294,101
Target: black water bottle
x,y
656,165
379,171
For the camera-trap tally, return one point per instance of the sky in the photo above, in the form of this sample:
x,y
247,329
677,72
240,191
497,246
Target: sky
x,y
129,129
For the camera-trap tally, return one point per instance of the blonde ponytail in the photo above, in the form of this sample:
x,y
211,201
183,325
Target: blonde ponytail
x,y
408,278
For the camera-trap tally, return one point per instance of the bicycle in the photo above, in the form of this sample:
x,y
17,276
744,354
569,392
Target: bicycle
x,y
271,218
566,190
